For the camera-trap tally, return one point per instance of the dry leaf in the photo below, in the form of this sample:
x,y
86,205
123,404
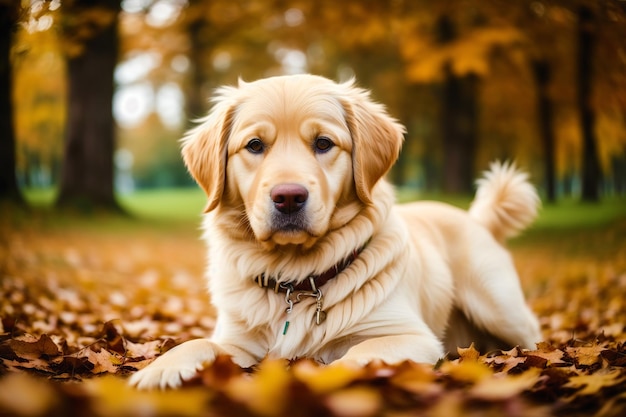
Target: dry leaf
x,y
467,371
593,383
265,392
325,379
23,395
500,387
27,347
468,354
354,402
416,378
585,356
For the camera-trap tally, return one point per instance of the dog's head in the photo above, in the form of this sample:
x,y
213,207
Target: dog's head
x,y
300,154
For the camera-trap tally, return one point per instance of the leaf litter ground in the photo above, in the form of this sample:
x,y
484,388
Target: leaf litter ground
x,y
86,303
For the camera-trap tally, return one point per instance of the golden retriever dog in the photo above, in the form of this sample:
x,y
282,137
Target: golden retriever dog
x,y
308,255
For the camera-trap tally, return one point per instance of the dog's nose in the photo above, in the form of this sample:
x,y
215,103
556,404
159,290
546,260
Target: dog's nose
x,y
289,198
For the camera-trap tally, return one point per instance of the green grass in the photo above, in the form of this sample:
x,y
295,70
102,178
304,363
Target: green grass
x,y
186,204
573,214
164,204
40,197
179,204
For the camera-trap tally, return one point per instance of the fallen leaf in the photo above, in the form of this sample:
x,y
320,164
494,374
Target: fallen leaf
x,y
24,395
103,361
593,383
113,397
505,363
28,347
264,392
354,402
500,387
585,355
467,371
468,354
325,379
416,378
553,355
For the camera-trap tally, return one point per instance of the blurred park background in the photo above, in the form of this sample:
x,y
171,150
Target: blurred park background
x,y
96,93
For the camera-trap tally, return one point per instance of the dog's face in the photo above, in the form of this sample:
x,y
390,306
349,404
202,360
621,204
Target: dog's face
x,y
297,155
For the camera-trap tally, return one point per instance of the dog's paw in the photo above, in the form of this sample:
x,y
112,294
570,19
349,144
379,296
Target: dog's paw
x,y
175,366
358,361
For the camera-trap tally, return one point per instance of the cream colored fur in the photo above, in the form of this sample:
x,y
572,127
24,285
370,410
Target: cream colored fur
x,y
421,264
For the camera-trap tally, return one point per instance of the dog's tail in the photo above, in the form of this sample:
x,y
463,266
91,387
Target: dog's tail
x,y
506,202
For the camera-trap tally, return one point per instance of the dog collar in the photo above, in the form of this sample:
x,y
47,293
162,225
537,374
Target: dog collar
x,y
312,283
308,288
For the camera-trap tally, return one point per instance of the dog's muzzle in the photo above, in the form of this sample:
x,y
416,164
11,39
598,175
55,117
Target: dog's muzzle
x,y
289,201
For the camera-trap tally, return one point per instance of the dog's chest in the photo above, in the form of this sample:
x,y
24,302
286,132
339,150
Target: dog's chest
x,y
295,332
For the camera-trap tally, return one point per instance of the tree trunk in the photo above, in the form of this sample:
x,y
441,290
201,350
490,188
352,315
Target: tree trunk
x,y
458,127
197,102
459,121
542,75
9,14
87,172
591,172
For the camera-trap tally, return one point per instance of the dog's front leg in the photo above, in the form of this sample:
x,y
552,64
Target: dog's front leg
x,y
424,348
176,365
183,362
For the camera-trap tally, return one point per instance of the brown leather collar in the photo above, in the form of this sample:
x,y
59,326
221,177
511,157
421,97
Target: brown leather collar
x,y
312,283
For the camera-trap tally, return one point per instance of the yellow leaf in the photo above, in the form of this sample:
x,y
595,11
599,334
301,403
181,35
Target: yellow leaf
x,y
593,383
417,378
322,379
467,371
468,354
113,397
264,392
505,386
355,402
23,395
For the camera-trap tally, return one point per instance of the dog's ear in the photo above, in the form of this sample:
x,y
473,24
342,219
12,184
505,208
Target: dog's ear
x,y
204,148
377,139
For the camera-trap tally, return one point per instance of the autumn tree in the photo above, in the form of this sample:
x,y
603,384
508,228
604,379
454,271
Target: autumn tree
x,y
9,15
542,73
458,117
591,173
90,32
541,41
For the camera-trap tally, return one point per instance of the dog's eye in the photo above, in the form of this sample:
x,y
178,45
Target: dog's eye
x,y
255,146
323,144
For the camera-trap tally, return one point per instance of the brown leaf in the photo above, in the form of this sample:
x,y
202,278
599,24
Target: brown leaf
x,y
29,348
103,361
536,361
72,365
113,337
585,356
506,363
552,355
147,350
613,357
34,364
